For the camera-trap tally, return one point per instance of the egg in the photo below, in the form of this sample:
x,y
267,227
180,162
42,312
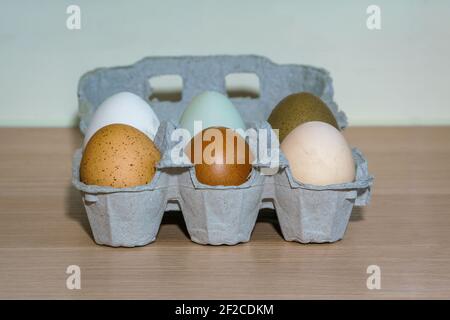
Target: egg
x,y
221,157
214,110
318,154
299,108
119,156
126,108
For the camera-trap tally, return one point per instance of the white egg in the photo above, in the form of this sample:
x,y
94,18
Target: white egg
x,y
124,108
318,154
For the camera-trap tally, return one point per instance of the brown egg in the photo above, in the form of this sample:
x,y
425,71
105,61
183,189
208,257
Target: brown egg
x,y
297,109
221,157
119,156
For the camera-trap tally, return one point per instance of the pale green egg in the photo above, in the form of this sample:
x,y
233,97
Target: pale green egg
x,y
213,109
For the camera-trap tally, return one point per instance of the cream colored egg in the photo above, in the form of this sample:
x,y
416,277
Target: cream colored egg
x,y
318,154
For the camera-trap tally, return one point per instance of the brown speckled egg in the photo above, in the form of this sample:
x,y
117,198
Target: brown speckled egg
x,y
225,163
119,156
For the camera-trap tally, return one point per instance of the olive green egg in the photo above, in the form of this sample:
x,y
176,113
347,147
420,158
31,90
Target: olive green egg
x,y
297,109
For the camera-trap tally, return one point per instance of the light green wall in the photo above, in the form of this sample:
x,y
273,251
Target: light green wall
x,y
397,75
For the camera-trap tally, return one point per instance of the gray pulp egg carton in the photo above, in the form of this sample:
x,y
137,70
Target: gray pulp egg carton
x,y
224,214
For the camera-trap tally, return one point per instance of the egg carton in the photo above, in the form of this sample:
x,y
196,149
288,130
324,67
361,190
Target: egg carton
x,y
215,214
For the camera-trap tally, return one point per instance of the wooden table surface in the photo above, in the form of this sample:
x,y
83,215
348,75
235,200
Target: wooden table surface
x,y
405,231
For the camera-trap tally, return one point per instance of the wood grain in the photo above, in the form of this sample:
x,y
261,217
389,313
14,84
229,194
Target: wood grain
x,y
405,230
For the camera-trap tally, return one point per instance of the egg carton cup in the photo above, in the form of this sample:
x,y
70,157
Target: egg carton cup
x,y
127,217
215,214
309,213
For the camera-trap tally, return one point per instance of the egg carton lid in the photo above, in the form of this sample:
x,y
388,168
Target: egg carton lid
x,y
203,73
